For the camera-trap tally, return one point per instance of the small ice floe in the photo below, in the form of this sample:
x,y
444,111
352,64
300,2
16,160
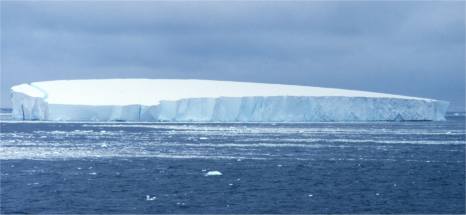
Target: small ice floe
x,y
104,145
92,173
203,138
204,170
213,173
103,131
239,159
149,198
79,168
377,194
181,203
279,165
310,195
448,132
230,184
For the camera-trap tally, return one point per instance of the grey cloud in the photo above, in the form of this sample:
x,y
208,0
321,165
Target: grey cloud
x,y
411,48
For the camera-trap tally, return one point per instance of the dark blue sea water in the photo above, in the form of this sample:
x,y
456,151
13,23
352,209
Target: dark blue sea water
x,y
383,167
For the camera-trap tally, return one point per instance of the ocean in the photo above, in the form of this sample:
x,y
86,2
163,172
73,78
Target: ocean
x,y
119,167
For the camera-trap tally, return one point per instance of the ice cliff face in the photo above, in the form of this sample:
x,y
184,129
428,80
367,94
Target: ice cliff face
x,y
211,101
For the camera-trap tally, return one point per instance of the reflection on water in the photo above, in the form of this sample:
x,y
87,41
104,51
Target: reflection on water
x,y
383,167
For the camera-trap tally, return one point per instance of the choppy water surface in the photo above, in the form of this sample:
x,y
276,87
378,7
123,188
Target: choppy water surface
x,y
404,167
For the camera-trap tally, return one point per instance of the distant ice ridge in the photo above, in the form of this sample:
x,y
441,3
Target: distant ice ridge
x,y
211,101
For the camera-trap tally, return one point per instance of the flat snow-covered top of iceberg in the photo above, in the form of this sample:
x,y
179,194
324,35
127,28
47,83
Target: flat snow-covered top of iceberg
x,y
152,91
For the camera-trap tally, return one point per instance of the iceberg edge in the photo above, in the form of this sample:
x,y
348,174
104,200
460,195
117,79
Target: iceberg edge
x,y
32,103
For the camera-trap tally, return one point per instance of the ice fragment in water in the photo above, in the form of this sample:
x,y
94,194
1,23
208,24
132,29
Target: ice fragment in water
x,y
213,173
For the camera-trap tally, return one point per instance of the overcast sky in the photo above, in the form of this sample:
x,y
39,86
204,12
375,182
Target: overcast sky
x,y
409,48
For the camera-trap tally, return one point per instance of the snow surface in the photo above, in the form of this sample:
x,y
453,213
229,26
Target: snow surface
x,y
152,91
29,90
206,100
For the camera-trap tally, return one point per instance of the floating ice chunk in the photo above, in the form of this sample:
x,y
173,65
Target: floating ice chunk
x,y
203,138
92,173
213,173
149,198
310,195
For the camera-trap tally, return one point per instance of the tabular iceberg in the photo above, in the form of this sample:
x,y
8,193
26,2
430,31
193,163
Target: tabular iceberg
x,y
211,101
